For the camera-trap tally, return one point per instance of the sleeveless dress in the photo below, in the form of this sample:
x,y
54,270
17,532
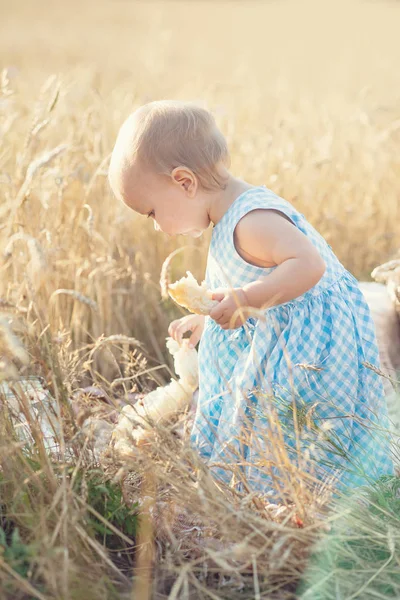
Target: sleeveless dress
x,y
311,362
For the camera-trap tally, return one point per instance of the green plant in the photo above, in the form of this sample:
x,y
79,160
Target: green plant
x,y
105,498
16,552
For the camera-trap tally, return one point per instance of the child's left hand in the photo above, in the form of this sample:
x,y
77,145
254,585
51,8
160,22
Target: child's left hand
x,y
229,302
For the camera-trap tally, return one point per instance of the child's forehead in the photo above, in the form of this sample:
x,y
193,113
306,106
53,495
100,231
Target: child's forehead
x,y
139,178
140,186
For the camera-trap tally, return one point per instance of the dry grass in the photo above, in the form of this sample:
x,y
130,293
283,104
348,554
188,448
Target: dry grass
x,y
307,94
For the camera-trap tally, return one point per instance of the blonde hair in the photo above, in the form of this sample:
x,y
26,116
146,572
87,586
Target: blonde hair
x,y
165,134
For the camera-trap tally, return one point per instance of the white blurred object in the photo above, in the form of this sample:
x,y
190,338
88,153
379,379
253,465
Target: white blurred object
x,y
135,422
41,406
98,432
28,396
387,326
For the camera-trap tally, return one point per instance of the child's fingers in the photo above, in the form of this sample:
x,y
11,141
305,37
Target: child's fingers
x,y
175,331
217,311
218,295
172,327
195,337
181,329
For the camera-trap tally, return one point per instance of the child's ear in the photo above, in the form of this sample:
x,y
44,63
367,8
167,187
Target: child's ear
x,y
185,178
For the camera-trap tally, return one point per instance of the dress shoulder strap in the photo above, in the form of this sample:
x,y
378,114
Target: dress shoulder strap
x,y
261,197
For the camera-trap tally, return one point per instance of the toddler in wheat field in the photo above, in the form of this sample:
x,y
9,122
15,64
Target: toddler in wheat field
x,y
285,356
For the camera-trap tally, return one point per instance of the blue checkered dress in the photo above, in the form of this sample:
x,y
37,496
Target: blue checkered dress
x,y
301,374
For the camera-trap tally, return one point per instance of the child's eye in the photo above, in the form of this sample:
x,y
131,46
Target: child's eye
x,y
150,214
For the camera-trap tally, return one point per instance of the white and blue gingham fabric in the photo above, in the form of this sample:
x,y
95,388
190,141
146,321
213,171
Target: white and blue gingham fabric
x,y
310,358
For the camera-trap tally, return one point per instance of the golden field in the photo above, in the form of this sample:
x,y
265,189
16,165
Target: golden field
x,y
306,93
308,96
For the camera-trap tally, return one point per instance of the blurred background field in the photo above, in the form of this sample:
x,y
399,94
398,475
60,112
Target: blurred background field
x,y
306,92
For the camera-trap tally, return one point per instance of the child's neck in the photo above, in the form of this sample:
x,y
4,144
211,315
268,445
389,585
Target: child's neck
x,y
220,201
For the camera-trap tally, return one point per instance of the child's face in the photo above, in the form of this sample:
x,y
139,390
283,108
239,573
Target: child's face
x,y
176,203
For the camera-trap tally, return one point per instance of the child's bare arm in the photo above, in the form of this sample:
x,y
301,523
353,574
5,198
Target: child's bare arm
x,y
272,239
269,239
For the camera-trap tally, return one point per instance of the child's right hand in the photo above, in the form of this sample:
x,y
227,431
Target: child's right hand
x,y
193,323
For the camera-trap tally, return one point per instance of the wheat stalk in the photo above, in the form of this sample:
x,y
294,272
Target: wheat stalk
x,y
6,306
14,238
11,348
39,121
43,160
75,294
37,268
164,276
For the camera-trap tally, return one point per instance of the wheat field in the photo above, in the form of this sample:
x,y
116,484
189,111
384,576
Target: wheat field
x,y
308,96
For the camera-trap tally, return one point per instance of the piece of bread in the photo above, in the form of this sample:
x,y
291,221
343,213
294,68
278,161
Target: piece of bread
x,y
185,361
135,424
188,293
